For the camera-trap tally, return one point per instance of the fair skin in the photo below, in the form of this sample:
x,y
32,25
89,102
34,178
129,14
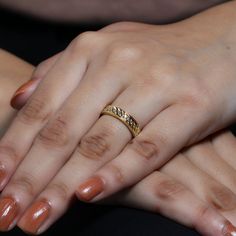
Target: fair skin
x,y
180,86
205,200
10,80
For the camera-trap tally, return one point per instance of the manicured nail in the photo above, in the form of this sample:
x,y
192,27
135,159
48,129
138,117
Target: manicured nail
x,y
2,176
90,189
27,87
35,216
229,230
8,212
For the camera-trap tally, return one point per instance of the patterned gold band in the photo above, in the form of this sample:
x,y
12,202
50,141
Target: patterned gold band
x,y
125,118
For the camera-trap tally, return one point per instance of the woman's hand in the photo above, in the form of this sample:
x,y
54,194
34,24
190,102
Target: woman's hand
x,y
192,187
165,191
13,72
178,81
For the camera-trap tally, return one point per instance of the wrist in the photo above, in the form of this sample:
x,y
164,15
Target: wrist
x,y
207,42
214,30
214,25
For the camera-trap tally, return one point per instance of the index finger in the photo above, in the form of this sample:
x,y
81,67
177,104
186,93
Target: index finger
x,y
38,110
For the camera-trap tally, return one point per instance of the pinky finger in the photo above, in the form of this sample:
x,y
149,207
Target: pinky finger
x,y
164,195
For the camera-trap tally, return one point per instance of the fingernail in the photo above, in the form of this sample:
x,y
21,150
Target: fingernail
x,y
8,212
35,216
90,189
229,230
2,176
30,85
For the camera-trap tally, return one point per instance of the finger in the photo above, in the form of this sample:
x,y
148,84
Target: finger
x,y
159,140
160,193
210,162
57,140
214,193
216,166
98,146
39,109
26,90
224,144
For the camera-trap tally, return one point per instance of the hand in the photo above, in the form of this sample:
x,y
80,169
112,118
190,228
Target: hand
x,y
159,74
192,187
13,72
159,189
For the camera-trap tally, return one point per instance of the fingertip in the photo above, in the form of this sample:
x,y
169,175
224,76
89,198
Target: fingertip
x,y
22,94
16,102
35,217
91,188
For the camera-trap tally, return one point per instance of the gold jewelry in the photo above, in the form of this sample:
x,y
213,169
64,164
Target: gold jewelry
x,y
124,117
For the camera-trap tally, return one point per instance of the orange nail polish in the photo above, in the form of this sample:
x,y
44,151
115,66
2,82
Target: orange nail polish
x,y
90,189
20,91
8,212
2,176
35,216
229,230
23,88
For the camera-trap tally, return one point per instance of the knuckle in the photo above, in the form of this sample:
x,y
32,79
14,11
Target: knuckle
x,y
198,95
144,147
95,146
201,102
124,52
169,189
86,39
202,212
116,173
222,198
194,98
59,189
168,69
10,152
55,134
36,110
87,36
202,215
26,183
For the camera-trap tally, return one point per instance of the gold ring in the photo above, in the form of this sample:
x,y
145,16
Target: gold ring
x,y
124,117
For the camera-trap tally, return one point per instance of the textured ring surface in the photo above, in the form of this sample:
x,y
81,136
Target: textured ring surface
x,y
124,117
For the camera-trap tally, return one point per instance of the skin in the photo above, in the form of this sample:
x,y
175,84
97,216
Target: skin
x,y
179,86
205,200
103,11
10,80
